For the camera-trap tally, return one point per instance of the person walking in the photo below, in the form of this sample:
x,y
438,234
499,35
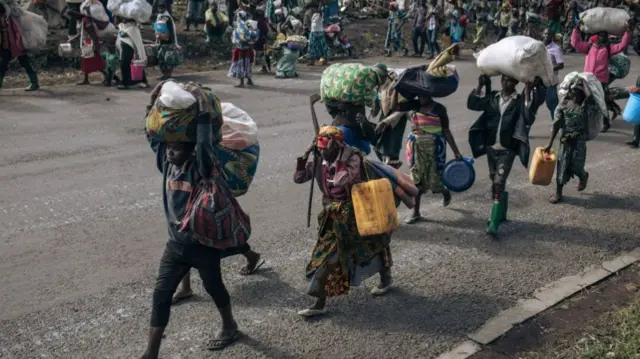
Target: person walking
x,y
420,29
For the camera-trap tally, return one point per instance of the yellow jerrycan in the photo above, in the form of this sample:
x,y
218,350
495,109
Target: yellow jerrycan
x,y
542,167
374,207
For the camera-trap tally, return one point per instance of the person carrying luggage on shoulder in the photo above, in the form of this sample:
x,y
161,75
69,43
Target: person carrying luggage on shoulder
x,y
502,133
599,50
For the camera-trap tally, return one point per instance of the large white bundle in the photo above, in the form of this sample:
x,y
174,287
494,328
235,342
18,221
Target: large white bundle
x,y
593,89
520,57
109,30
239,131
33,29
174,96
94,10
611,20
138,10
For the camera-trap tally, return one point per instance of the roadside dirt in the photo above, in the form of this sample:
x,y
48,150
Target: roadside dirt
x,y
564,325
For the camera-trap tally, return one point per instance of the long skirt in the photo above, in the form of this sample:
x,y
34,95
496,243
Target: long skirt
x,y
93,64
389,143
241,63
342,258
317,46
426,156
572,157
286,65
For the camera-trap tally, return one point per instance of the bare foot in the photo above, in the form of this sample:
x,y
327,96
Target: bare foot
x,y
239,86
181,295
253,264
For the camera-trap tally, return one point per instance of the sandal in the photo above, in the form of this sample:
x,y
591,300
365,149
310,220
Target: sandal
x,y
555,199
377,291
249,271
583,184
223,342
181,298
413,220
310,312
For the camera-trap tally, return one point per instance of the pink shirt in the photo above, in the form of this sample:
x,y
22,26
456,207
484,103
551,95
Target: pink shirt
x,y
597,61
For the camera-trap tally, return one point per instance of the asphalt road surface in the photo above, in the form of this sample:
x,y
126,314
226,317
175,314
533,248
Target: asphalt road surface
x,y
84,229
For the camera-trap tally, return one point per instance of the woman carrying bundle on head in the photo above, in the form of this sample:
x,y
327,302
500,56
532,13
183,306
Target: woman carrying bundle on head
x,y
132,54
169,55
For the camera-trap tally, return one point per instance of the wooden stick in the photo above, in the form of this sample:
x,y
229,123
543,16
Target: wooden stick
x,y
316,127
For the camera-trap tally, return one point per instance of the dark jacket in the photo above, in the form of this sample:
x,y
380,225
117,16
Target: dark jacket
x,y
516,122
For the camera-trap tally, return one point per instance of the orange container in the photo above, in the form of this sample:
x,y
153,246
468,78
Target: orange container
x,y
542,167
374,207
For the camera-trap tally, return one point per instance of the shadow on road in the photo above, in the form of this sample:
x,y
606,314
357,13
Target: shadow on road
x,y
401,311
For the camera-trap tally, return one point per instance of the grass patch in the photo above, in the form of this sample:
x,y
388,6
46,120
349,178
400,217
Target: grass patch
x,y
614,335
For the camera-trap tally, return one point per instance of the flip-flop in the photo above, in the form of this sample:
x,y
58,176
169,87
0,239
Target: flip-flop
x,y
555,199
381,291
182,298
255,269
221,343
309,312
413,220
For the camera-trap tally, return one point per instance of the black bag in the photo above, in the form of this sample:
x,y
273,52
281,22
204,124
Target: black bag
x,y
415,81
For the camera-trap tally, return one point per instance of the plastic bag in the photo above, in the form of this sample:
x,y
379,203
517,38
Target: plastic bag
x,y
520,57
416,81
94,10
138,10
175,97
596,106
239,131
611,20
33,29
52,12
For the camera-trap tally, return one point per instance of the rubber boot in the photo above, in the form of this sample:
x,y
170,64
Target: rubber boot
x,y
1,81
635,141
33,78
494,221
504,201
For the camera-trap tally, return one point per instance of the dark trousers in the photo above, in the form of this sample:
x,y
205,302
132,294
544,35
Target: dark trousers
x,y
636,134
5,58
419,33
126,57
502,33
73,21
434,48
175,263
500,164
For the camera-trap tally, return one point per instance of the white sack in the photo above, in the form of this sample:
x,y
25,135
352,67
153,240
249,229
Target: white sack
x,y
33,28
109,30
611,20
520,57
174,96
52,13
593,89
138,10
239,131
94,10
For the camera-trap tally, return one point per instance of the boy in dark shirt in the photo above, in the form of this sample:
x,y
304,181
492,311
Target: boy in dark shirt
x,y
502,133
179,166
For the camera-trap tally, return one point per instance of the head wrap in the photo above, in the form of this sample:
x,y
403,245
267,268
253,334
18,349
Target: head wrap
x,y
393,4
328,133
381,70
594,39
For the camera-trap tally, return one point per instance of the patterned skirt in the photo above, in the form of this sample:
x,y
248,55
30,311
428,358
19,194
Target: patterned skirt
x,y
241,63
426,156
317,45
572,157
342,258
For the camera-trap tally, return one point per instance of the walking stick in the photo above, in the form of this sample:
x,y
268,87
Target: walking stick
x,y
312,100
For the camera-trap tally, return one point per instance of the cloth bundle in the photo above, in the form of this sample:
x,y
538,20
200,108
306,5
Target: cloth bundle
x,y
416,81
352,83
520,57
246,32
184,113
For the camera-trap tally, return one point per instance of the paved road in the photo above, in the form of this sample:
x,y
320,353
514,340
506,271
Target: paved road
x,y
84,230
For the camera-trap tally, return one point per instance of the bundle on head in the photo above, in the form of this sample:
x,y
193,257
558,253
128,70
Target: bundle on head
x,y
438,67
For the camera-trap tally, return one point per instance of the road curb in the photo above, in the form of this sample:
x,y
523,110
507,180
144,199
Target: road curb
x,y
543,299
